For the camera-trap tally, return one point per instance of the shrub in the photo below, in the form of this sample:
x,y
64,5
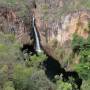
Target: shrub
x,y
77,42
39,81
31,79
9,49
3,75
35,60
83,70
8,86
86,85
88,39
85,56
63,85
20,76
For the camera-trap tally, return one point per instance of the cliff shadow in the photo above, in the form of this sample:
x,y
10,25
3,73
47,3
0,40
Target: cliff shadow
x,y
52,68
27,48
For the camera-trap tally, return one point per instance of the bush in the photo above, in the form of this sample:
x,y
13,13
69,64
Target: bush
x,y
85,56
35,60
39,81
83,70
31,79
86,85
88,40
77,42
20,76
63,85
3,75
9,49
9,86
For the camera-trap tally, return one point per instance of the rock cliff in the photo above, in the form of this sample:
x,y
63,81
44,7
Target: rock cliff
x,y
10,22
59,19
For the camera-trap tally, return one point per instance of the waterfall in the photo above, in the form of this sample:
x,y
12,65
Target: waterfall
x,y
38,48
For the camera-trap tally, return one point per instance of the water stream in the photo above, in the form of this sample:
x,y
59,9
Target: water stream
x,y
38,48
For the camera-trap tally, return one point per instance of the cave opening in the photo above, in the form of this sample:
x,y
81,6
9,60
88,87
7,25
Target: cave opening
x,y
27,48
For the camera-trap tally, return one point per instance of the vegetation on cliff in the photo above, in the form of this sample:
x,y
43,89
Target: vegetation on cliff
x,y
22,68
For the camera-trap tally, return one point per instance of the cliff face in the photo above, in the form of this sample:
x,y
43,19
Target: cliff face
x,y
71,23
11,23
55,20
59,19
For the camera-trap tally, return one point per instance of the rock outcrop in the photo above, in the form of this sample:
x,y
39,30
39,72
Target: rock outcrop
x,y
63,29
59,19
11,23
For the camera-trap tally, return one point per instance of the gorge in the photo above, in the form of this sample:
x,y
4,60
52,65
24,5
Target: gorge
x,y
45,45
51,66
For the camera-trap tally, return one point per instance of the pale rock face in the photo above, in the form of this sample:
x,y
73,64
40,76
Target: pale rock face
x,y
63,18
69,24
61,3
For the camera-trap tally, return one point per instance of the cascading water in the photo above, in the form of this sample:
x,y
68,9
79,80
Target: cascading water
x,y
38,48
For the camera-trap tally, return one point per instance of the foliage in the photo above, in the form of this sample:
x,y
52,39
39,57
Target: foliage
x,y
63,85
86,85
3,75
30,79
82,47
83,70
10,54
45,8
62,54
57,9
9,49
9,86
85,56
19,5
83,67
21,75
77,41
35,60
88,28
39,81
87,4
88,39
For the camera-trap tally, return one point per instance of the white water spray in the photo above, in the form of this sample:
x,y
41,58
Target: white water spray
x,y
38,48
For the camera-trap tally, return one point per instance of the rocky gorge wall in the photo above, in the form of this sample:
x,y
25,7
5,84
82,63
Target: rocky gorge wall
x,y
63,30
55,20
10,22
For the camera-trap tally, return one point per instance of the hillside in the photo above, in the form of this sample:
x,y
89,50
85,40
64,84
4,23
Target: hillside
x,y
44,44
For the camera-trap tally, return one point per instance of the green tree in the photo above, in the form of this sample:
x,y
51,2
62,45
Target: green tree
x,y
84,70
35,60
8,86
85,56
9,49
39,81
3,75
20,76
86,85
77,42
63,85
